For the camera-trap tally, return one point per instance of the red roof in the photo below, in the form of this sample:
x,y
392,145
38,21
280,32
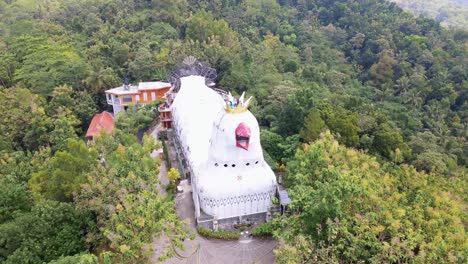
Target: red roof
x,y
104,120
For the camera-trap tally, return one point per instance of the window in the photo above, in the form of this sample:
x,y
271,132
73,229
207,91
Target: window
x,y
127,99
108,97
242,136
145,96
153,96
138,98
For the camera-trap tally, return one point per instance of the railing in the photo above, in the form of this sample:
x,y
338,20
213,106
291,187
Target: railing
x,y
220,91
164,108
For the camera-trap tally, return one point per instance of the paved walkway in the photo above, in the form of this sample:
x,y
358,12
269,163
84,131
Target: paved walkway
x,y
202,250
205,251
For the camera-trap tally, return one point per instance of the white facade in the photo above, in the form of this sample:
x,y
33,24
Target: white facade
x,y
227,180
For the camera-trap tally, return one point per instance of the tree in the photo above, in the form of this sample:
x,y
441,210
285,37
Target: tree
x,y
313,126
46,64
121,193
62,175
387,140
14,198
99,77
50,230
25,123
142,66
7,68
202,26
173,175
271,144
84,108
352,208
341,122
137,117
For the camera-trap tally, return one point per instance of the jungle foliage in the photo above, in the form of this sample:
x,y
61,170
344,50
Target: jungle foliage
x,y
391,88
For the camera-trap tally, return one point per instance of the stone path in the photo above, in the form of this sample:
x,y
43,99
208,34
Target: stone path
x,y
247,250
201,250
227,252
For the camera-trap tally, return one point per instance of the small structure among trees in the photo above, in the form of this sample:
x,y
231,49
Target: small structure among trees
x,y
103,121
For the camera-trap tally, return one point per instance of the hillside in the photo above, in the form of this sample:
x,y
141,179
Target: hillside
x,y
448,12
365,106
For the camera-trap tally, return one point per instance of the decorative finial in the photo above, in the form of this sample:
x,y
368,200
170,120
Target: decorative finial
x,y
235,106
190,60
190,66
126,83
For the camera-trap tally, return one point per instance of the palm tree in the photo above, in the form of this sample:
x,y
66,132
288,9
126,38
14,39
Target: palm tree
x,y
100,77
383,92
413,97
402,85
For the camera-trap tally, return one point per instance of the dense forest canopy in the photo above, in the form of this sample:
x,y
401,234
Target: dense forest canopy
x,y
448,12
391,88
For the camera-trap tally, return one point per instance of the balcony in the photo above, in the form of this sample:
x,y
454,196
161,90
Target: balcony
x,y
164,108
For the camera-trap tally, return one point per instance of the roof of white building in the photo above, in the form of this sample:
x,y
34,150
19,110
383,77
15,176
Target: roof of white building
x,y
132,89
153,85
121,90
194,110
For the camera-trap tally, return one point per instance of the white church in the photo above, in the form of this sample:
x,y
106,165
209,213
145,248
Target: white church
x,y
220,143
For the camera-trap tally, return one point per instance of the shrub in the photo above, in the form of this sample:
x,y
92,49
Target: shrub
x,y
218,234
166,155
275,201
263,230
162,135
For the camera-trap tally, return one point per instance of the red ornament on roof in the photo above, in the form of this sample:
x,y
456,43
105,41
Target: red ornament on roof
x,y
243,136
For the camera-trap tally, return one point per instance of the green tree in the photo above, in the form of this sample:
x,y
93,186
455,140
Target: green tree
x,y
50,230
25,124
62,175
46,64
99,77
122,195
202,26
313,126
173,175
14,198
271,144
142,66
352,208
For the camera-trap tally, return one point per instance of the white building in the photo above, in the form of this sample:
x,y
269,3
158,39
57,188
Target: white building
x,y
143,93
220,142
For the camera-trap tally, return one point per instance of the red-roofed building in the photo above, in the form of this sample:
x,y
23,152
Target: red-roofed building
x,y
102,121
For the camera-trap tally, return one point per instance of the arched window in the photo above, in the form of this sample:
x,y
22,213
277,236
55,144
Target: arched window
x,y
243,136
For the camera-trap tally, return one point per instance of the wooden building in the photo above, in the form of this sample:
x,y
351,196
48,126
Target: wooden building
x,y
144,93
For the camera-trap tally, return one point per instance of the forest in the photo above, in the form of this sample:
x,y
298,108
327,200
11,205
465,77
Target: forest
x,y
362,104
